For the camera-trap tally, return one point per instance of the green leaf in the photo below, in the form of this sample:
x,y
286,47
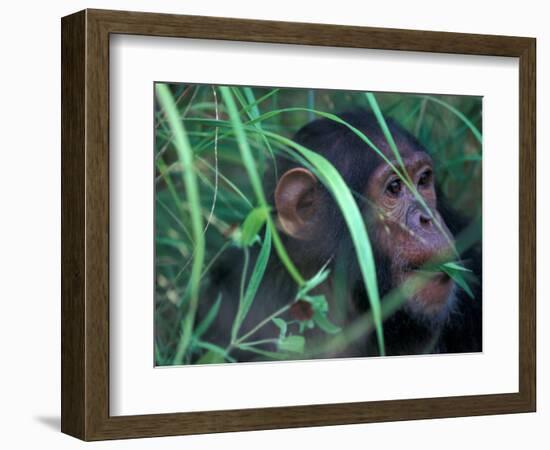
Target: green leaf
x,y
211,357
252,225
282,325
313,282
456,272
209,318
322,322
463,284
356,225
455,266
458,278
385,130
318,302
294,344
253,284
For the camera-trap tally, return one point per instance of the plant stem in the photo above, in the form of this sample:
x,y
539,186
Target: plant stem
x,y
260,342
260,325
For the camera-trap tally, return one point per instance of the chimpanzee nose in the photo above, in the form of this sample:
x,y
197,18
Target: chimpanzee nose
x,y
419,219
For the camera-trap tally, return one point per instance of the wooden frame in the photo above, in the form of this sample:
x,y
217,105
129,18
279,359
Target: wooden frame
x,y
85,224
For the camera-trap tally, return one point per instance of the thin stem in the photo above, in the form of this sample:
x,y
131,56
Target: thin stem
x,y
215,166
260,325
260,342
242,287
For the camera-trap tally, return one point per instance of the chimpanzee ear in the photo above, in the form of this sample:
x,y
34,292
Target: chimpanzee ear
x,y
297,202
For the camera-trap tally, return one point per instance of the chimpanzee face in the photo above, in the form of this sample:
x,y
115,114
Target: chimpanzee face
x,y
408,230
408,234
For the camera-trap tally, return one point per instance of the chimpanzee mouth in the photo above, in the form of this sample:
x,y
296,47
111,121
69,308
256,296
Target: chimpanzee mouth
x,y
432,275
431,289
433,285
435,275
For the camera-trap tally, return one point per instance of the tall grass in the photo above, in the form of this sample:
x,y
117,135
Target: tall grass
x,y
185,154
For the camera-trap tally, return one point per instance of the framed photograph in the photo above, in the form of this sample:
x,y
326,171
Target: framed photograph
x,y
271,224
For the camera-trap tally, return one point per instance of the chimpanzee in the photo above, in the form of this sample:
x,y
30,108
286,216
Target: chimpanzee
x,y
405,232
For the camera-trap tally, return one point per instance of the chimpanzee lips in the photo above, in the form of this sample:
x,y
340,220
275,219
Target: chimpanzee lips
x,y
433,265
426,274
432,273
433,288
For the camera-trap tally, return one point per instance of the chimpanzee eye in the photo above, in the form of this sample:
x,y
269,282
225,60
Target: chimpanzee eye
x,y
394,187
425,178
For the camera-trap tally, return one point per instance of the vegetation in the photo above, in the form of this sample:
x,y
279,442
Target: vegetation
x,y
214,146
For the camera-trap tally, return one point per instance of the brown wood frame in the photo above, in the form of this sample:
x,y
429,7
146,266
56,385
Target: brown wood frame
x,y
85,224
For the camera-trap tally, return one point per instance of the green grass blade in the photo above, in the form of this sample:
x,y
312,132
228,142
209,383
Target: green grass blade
x,y
322,322
459,114
185,153
387,134
172,190
255,103
209,318
252,105
213,349
252,224
253,284
255,181
356,226
253,114
226,180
